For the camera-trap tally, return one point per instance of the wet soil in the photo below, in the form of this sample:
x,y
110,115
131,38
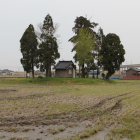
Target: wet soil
x,y
41,127
43,132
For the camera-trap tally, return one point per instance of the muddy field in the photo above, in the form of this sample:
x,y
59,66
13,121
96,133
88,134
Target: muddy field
x,y
70,112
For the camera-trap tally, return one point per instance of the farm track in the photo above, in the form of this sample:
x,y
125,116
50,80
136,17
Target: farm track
x,y
25,97
107,99
72,116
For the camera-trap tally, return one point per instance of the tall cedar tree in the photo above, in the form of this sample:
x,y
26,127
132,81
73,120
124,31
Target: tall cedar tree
x,y
82,22
112,53
28,47
48,48
99,40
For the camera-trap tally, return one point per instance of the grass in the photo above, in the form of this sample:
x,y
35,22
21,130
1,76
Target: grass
x,y
57,98
90,131
54,130
54,81
130,128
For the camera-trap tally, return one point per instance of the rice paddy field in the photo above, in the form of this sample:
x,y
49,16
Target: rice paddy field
x,y
69,109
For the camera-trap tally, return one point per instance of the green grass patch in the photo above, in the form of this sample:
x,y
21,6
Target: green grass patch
x,y
55,81
64,107
90,131
128,132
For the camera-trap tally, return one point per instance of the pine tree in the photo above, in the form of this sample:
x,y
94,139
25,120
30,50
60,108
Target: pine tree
x,y
28,47
48,48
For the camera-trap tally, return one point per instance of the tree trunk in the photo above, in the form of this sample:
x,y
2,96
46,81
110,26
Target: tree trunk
x,y
93,75
32,65
79,72
83,71
97,72
46,75
87,72
49,72
108,75
33,73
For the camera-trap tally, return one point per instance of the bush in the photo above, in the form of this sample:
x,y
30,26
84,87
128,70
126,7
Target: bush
x,y
40,77
103,75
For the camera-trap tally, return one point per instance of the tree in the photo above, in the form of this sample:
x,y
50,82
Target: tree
x,y
28,48
99,40
112,53
48,48
84,35
83,22
83,45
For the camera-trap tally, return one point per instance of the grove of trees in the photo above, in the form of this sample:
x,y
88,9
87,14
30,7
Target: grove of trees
x,y
39,50
93,50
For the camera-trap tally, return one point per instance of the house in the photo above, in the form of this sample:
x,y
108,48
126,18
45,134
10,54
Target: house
x,y
6,72
133,72
1,71
37,72
10,72
94,72
65,69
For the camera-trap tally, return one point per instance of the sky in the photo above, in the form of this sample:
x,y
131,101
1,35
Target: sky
x,y
113,16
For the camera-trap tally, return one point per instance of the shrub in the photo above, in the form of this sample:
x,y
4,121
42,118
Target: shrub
x,y
40,77
103,75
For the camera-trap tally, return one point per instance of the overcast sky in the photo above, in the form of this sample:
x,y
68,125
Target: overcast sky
x,y
113,16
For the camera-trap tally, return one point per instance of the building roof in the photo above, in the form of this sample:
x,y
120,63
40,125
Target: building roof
x,y
64,65
130,66
135,69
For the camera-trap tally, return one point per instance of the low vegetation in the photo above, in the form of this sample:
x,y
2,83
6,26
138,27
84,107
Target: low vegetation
x,y
54,81
90,131
111,105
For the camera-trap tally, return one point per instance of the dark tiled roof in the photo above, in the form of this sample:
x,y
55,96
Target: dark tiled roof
x,y
63,64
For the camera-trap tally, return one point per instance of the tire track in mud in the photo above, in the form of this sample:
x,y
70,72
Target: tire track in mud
x,y
102,102
26,97
7,90
71,116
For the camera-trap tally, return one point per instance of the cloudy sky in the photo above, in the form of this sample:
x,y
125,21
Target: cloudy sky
x,y
114,16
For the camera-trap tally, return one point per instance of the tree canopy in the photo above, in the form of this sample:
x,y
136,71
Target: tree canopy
x,y
92,50
84,45
112,53
99,41
28,47
83,41
48,48
83,22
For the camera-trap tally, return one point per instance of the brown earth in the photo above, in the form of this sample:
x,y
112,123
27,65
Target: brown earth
x,y
60,125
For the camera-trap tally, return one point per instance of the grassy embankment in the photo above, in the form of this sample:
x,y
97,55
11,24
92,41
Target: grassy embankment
x,y
54,81
114,104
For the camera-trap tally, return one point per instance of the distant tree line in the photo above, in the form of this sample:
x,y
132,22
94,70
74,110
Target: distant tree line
x,y
93,50
39,50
